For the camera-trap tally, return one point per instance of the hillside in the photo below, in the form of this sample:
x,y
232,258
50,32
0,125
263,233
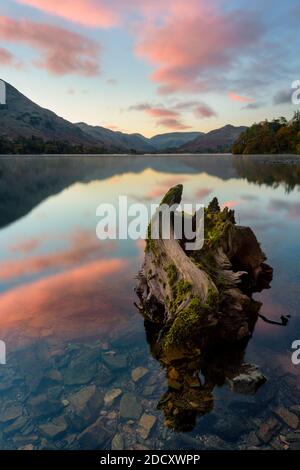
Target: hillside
x,y
126,142
27,128
275,137
40,130
23,118
219,140
172,140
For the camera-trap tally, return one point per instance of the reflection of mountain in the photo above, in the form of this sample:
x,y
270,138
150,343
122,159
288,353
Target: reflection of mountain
x,y
258,170
25,182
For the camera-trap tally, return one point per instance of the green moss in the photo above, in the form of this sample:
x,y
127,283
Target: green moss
x,y
179,293
181,289
150,243
190,317
212,299
172,274
216,222
184,323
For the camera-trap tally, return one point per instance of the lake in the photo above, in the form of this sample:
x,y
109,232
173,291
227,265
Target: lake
x,y
79,372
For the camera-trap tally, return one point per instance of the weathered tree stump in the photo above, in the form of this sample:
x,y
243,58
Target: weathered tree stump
x,y
199,311
191,296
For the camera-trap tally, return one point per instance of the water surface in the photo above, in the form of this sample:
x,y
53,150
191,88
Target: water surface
x,y
67,316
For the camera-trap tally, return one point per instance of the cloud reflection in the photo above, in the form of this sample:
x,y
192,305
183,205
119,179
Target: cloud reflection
x,y
74,304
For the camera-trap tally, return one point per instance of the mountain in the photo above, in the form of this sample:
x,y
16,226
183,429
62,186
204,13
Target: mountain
x,y
23,118
137,142
45,132
219,140
127,142
172,140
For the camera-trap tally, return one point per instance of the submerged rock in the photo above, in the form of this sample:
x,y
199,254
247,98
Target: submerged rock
x,y
40,406
115,362
146,425
138,373
10,413
112,395
130,407
118,442
80,371
95,436
84,406
16,426
247,380
268,429
55,428
287,417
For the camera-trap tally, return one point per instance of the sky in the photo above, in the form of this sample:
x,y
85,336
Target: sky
x,y
153,66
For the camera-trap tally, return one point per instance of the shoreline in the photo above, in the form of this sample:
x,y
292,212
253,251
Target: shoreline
x,y
154,155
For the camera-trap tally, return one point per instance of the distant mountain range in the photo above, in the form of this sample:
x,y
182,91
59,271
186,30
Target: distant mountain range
x,y
21,118
219,140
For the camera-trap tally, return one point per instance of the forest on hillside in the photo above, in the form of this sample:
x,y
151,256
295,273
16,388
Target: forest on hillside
x,y
270,137
38,146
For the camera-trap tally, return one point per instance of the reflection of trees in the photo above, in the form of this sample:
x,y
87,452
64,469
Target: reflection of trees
x,y
257,170
193,376
27,181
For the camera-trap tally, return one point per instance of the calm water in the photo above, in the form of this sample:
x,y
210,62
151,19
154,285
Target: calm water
x,y
67,316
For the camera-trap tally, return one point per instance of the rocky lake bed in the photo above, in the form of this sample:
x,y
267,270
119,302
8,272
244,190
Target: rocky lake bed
x,y
94,396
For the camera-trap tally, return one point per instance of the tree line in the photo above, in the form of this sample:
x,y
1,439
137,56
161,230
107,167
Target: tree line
x,y
37,146
273,137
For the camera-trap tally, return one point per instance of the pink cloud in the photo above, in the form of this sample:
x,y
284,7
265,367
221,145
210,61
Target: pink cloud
x,y
241,99
61,51
204,111
203,193
83,246
231,204
190,43
155,193
26,246
88,12
169,118
172,123
6,57
160,190
189,46
161,112
72,304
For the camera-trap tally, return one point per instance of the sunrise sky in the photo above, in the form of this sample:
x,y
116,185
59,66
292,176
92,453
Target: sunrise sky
x,y
153,66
